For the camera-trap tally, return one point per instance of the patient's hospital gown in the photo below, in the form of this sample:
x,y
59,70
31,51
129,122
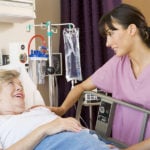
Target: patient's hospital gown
x,y
15,127
117,77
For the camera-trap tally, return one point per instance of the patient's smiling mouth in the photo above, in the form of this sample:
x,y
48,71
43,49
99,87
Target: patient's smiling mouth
x,y
19,95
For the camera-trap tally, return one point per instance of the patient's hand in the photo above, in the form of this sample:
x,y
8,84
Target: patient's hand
x,y
62,124
58,110
112,147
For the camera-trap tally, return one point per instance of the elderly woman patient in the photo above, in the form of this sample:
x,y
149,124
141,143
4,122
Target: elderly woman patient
x,y
37,128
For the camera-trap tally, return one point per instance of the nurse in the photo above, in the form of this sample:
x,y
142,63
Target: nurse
x,y
126,75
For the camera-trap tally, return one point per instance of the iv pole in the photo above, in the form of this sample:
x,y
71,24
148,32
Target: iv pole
x,y
53,99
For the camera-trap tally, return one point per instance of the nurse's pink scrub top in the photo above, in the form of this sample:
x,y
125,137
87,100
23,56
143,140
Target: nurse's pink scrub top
x,y
116,77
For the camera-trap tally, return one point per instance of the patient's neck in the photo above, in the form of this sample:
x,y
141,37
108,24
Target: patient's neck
x,y
10,113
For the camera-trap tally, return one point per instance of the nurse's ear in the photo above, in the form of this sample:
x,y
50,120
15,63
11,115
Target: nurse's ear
x,y
132,29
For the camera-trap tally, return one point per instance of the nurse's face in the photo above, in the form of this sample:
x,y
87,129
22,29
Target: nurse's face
x,y
119,40
12,97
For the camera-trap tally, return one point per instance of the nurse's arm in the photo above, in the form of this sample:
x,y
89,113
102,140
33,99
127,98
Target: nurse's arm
x,y
144,145
73,96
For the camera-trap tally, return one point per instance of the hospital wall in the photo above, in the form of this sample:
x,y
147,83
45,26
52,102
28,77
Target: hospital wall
x,y
143,5
49,10
13,32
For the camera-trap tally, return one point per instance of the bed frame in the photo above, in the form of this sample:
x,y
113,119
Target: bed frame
x,y
105,115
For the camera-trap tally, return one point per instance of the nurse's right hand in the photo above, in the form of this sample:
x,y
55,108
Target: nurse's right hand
x,y
58,110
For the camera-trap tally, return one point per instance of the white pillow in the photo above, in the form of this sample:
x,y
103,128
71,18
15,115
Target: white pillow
x,y
32,95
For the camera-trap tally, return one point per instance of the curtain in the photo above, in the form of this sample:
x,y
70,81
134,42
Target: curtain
x,y
85,14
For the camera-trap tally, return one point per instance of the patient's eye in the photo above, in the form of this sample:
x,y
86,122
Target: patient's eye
x,y
14,83
10,82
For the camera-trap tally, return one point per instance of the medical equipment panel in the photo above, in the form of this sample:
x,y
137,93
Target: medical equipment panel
x,y
105,117
18,53
91,98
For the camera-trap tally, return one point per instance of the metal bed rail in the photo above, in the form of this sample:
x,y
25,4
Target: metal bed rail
x,y
104,125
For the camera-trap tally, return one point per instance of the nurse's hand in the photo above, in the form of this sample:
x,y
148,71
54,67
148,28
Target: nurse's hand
x,y
58,110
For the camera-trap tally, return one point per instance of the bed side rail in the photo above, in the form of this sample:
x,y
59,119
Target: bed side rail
x,y
106,114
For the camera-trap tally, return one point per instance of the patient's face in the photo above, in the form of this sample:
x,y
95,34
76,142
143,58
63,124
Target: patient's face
x,y
12,97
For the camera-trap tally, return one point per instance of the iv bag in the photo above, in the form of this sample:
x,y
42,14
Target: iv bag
x,y
72,54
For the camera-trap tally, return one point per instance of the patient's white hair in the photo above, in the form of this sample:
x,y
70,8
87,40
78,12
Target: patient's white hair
x,y
6,75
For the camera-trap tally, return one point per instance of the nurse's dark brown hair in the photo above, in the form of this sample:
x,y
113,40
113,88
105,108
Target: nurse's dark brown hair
x,y
125,15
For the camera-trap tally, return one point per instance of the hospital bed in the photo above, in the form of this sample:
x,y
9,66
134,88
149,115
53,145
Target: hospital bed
x,y
105,115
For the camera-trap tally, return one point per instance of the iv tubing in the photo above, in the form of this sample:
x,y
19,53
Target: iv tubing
x,y
35,36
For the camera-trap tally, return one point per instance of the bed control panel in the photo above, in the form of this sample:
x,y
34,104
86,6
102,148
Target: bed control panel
x,y
105,117
92,98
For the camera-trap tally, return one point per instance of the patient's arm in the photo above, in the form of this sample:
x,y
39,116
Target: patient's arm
x,y
60,124
73,96
145,145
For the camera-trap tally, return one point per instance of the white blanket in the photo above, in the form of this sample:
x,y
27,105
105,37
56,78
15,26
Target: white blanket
x,y
15,127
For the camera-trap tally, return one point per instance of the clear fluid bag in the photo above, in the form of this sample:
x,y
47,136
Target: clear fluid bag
x,y
72,54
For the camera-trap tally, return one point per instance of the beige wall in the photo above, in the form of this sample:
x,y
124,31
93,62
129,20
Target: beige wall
x,y
47,10
13,32
143,5
13,25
